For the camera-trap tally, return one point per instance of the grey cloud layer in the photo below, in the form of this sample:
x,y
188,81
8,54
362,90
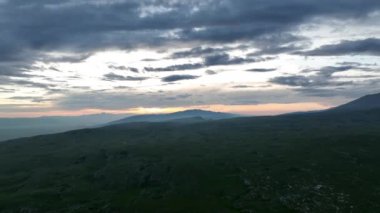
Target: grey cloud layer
x,y
122,100
31,29
216,59
322,77
123,68
116,77
179,67
262,70
370,46
173,78
323,83
85,25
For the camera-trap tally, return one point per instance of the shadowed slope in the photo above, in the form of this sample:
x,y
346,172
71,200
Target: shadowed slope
x,y
367,102
206,115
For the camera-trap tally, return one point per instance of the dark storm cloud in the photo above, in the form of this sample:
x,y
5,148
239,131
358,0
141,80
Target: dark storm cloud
x,y
29,27
116,77
173,78
370,46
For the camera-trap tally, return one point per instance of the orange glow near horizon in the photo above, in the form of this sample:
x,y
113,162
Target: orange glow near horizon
x,y
259,110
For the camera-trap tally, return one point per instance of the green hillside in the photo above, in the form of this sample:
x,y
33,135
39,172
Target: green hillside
x,y
317,162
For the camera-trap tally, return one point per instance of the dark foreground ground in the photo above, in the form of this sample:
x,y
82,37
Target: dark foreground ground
x,y
300,163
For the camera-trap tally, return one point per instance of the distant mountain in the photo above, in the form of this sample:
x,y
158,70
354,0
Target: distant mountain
x,y
312,162
367,102
11,128
183,116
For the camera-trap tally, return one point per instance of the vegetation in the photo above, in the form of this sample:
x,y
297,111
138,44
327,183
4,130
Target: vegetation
x,y
317,162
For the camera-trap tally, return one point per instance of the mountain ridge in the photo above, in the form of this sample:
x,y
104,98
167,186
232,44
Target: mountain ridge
x,y
367,102
195,114
235,162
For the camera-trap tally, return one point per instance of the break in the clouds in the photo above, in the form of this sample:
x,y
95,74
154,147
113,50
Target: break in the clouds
x,y
60,50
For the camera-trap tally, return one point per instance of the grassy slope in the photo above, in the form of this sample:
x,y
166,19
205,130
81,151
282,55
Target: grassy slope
x,y
296,163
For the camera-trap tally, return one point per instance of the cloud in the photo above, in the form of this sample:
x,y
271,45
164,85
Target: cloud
x,y
32,99
71,31
13,71
323,83
262,70
178,97
124,100
87,26
116,77
369,46
29,29
296,80
25,83
322,78
357,64
355,90
226,59
6,90
198,52
211,72
123,68
328,71
68,58
173,78
208,61
274,44
241,86
179,67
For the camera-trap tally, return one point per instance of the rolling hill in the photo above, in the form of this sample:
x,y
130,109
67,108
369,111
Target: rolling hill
x,y
179,116
367,102
314,162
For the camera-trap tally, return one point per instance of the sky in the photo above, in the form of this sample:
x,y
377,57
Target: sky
x,y
255,57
